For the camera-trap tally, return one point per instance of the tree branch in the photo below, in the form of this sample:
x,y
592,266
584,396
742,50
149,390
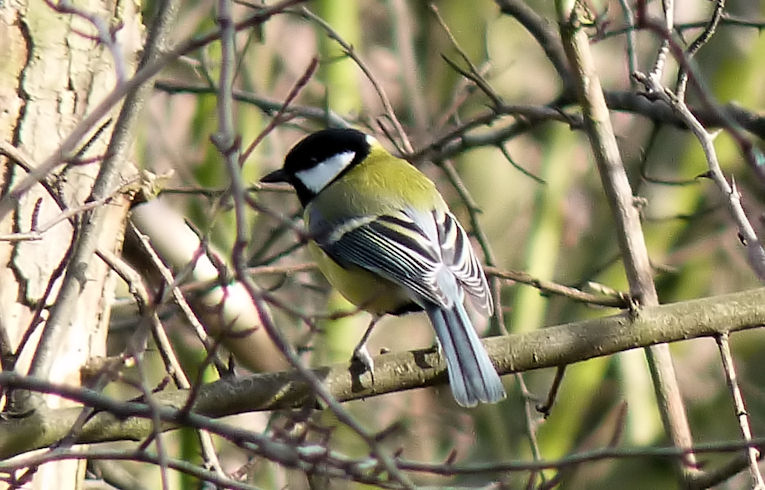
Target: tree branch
x,y
548,347
625,214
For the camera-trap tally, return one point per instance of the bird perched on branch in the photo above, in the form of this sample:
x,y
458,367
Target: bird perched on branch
x,y
384,237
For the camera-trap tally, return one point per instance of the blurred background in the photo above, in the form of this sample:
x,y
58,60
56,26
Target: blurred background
x,y
530,190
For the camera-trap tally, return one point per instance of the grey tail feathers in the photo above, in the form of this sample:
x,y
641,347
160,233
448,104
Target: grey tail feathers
x,y
472,377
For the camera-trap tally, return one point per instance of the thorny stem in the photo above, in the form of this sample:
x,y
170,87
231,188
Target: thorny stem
x,y
748,236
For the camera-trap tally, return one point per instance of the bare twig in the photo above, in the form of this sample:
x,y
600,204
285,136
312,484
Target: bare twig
x,y
749,238
511,160
753,453
267,105
349,50
726,19
174,290
603,454
138,455
618,300
552,394
459,139
167,353
473,74
280,117
701,40
531,426
37,232
543,32
629,231
629,20
668,6
725,116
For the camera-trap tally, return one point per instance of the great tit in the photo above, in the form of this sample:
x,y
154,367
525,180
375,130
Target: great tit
x,y
384,237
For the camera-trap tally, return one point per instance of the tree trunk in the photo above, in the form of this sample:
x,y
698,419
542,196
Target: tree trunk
x,y
55,70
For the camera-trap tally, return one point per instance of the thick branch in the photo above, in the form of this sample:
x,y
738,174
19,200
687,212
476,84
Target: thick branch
x,y
548,347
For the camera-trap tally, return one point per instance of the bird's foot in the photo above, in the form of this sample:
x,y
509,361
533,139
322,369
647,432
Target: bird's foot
x,y
361,355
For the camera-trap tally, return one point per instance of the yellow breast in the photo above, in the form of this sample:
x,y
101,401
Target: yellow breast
x,y
364,289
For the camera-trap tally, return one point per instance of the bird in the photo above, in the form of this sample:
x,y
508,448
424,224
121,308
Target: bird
x,y
384,237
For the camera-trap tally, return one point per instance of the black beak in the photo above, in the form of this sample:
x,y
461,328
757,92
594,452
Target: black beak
x,y
275,176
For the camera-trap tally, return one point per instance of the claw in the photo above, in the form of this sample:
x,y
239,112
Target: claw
x,y
362,356
361,353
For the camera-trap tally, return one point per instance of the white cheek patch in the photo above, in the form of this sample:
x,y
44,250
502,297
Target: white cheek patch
x,y
321,174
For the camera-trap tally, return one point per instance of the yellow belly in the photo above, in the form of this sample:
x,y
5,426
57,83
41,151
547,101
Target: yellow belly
x,y
364,289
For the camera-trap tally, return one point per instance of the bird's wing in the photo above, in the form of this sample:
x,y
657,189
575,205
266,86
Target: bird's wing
x,y
427,252
458,254
399,247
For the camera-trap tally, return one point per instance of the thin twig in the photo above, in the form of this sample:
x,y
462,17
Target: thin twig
x,y
552,394
619,300
173,289
473,74
351,52
726,19
267,105
668,6
726,117
527,173
754,249
629,20
753,454
544,34
531,426
280,117
172,366
698,43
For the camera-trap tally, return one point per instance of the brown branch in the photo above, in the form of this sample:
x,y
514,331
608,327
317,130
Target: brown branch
x,y
548,347
626,220
620,300
753,454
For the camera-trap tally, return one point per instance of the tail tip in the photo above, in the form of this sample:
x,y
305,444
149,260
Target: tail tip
x,y
491,394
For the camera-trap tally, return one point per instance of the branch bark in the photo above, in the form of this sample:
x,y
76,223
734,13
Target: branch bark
x,y
548,347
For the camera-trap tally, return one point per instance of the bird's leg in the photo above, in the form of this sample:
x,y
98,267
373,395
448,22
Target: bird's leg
x,y
360,352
